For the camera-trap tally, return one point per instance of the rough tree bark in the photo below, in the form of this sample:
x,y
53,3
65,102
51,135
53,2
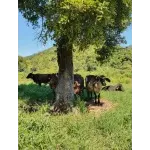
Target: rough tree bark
x,y
64,89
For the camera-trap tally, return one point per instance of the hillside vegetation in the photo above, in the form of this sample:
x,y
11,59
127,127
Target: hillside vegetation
x,y
109,130
118,67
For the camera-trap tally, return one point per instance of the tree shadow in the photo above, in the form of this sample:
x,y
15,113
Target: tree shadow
x,y
33,93
33,96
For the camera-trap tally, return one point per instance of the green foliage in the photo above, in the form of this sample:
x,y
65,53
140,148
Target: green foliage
x,y
121,59
43,62
22,64
83,22
80,104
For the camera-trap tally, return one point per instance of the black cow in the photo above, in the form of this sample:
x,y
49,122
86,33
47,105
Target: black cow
x,y
39,78
94,84
78,84
53,83
117,87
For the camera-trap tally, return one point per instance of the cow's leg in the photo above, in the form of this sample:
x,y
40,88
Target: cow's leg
x,y
80,93
76,97
39,84
95,98
54,94
91,95
99,99
88,95
49,85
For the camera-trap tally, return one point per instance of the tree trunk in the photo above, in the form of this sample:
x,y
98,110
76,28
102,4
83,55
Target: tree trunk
x,y
64,89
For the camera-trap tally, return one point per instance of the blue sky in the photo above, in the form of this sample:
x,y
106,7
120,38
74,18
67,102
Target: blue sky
x,y
28,45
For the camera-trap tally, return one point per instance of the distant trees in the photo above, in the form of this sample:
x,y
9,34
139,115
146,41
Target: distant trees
x,y
22,64
121,58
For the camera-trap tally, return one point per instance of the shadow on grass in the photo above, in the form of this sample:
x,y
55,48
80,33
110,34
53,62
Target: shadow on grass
x,y
33,96
33,93
39,94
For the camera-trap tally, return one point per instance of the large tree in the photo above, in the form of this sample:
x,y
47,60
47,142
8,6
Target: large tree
x,y
76,22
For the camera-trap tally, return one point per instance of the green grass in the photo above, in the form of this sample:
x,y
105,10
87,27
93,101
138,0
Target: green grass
x,y
111,130
82,131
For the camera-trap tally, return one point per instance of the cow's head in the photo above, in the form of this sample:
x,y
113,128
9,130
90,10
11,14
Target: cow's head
x,y
76,84
53,80
30,75
103,79
76,87
119,87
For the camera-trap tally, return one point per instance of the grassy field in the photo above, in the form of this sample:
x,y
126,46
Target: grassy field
x,y
81,130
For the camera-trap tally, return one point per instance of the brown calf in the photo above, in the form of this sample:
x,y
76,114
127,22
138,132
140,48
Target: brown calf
x,y
76,87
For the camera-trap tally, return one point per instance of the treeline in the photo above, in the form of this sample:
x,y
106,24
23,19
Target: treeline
x,y
46,61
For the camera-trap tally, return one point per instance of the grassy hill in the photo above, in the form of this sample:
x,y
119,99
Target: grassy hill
x,y
39,130
118,67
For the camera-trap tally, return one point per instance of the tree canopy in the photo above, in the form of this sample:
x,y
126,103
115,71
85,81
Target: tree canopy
x,y
85,22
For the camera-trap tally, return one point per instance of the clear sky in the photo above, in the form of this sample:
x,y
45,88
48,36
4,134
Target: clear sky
x,y
28,45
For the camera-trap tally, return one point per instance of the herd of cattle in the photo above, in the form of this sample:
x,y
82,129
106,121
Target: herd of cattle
x,y
93,84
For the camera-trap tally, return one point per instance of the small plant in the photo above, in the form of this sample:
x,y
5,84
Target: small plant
x,y
80,104
44,108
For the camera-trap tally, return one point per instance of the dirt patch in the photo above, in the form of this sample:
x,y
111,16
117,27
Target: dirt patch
x,y
105,106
